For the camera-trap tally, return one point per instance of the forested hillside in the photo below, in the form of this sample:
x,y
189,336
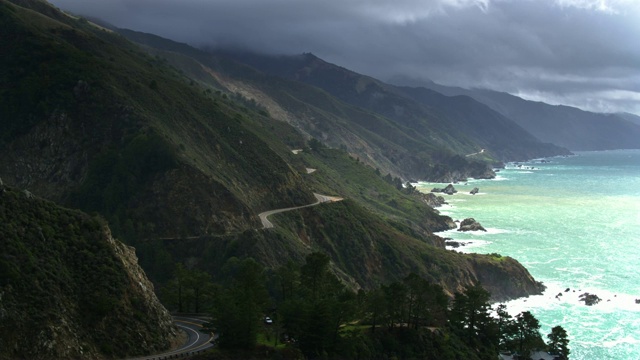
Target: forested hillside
x,y
380,124
458,123
68,289
180,166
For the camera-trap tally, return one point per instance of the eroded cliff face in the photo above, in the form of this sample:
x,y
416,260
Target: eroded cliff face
x,y
504,277
151,326
68,289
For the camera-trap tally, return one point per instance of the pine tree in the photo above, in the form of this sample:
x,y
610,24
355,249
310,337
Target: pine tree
x,y
558,342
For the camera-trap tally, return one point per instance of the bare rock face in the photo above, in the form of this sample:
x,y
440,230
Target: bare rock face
x,y
504,277
433,200
69,290
470,224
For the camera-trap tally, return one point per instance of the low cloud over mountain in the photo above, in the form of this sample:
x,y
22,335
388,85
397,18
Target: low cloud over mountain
x,y
576,52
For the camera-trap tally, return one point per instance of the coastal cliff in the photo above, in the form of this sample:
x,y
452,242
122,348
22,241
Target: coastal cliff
x,y
68,289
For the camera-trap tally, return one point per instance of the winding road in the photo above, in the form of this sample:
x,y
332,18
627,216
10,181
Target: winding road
x,y
197,341
476,153
266,224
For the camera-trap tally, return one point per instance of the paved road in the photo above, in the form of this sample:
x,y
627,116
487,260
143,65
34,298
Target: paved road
x,y
479,152
197,341
266,224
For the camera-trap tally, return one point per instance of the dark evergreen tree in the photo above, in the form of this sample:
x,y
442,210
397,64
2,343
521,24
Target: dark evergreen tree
x,y
240,304
558,342
527,331
470,318
506,326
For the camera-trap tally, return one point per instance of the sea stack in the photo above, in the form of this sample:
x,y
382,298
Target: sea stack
x,y
470,224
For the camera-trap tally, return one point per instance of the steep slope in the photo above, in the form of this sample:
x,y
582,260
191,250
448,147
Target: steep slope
x,y
90,120
376,250
181,170
68,289
412,149
365,250
630,117
565,126
494,132
460,123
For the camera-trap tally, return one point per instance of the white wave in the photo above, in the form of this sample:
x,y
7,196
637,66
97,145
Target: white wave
x,y
500,178
446,233
490,231
625,340
464,192
542,262
555,297
468,245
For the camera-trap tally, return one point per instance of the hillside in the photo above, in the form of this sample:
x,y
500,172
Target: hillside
x,y
458,123
68,289
181,169
426,146
565,126
115,131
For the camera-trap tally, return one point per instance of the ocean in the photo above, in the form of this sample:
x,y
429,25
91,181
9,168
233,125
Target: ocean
x,y
574,223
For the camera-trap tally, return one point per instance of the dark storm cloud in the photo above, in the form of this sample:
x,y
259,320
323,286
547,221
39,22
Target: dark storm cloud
x,y
578,52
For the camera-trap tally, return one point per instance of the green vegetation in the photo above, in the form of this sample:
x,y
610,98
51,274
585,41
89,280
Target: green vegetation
x,y
340,174
311,311
426,146
558,342
116,175
60,266
180,167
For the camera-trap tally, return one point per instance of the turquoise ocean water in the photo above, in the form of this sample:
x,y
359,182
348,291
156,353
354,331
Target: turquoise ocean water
x,y
573,223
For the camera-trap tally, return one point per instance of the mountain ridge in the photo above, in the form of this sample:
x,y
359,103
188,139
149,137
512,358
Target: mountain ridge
x,y
96,122
563,125
462,118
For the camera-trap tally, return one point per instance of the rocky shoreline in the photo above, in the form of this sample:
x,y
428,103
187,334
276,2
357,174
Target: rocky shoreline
x,y
470,224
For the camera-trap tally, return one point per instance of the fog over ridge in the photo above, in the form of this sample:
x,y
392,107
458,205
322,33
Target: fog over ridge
x,y
582,53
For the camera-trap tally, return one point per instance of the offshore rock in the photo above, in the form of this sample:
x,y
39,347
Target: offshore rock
x,y
474,191
449,190
590,299
470,224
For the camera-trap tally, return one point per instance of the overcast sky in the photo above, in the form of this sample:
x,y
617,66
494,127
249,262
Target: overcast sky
x,y
584,53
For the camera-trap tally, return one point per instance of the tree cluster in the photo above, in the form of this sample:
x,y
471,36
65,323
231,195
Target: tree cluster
x,y
308,308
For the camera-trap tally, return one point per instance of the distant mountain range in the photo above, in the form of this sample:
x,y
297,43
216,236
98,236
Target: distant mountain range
x,y
379,123
565,126
630,117
458,119
180,149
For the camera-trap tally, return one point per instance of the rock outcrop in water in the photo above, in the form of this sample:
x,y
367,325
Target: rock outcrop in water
x,y
449,190
590,299
470,224
474,191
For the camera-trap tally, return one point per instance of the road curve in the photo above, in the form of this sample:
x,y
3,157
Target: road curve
x,y
196,342
476,153
266,224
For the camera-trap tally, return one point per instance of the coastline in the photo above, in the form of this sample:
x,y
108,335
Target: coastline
x,y
585,242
